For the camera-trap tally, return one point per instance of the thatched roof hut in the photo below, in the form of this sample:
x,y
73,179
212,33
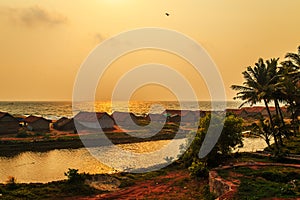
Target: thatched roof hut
x,y
8,123
35,123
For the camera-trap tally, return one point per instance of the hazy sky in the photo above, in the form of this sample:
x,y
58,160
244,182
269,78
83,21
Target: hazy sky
x,y
43,43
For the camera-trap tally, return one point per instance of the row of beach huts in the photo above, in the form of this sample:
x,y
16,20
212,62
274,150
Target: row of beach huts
x,y
10,124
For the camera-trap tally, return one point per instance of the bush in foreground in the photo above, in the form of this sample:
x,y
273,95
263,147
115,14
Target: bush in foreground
x,y
230,138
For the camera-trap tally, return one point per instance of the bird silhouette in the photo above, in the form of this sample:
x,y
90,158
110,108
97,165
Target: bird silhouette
x,y
167,14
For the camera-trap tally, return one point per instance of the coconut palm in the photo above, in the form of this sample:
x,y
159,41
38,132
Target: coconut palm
x,y
290,79
294,72
276,95
294,58
258,86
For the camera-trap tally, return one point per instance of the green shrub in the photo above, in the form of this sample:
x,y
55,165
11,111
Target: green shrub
x,y
198,169
74,177
230,138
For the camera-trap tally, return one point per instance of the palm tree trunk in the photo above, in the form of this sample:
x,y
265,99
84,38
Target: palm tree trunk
x,y
294,118
272,124
279,115
280,112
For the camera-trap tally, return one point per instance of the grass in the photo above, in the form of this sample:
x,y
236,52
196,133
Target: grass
x,y
257,189
266,182
291,145
53,190
249,157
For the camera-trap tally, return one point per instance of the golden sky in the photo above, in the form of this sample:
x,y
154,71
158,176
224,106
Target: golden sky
x,y
44,43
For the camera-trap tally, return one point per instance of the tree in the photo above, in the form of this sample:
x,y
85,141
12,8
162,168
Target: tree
x,y
290,84
262,129
259,86
276,96
230,138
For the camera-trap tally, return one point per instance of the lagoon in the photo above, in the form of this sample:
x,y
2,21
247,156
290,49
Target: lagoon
x,y
50,166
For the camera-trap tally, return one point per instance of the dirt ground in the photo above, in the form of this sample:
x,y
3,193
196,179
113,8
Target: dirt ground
x,y
174,185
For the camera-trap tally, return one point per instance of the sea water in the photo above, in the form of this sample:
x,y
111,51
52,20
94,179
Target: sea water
x,y
56,110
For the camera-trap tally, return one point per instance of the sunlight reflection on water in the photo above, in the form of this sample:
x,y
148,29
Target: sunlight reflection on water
x,y
50,166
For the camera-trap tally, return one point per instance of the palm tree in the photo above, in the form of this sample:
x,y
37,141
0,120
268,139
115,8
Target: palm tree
x,y
294,65
258,86
290,81
276,95
294,58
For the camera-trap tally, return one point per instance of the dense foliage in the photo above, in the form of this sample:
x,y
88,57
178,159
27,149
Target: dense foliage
x,y
230,138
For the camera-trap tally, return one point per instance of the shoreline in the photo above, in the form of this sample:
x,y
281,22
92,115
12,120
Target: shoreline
x,y
11,148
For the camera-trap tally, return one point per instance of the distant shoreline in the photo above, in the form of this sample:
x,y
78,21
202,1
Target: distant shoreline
x,y
10,148
13,148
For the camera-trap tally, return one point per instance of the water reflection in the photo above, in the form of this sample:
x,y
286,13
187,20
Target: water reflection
x,y
45,167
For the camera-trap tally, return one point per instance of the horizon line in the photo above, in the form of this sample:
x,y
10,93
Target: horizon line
x,y
59,100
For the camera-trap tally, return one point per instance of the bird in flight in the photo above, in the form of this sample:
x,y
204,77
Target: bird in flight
x,y
167,14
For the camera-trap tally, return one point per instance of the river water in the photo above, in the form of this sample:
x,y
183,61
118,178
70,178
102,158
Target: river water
x,y
50,166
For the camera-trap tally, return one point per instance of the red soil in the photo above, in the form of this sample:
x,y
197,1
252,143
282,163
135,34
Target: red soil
x,y
175,185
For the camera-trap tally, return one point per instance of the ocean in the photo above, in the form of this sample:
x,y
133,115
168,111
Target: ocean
x,y
55,110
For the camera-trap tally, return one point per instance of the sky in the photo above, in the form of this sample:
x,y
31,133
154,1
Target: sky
x,y
44,43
